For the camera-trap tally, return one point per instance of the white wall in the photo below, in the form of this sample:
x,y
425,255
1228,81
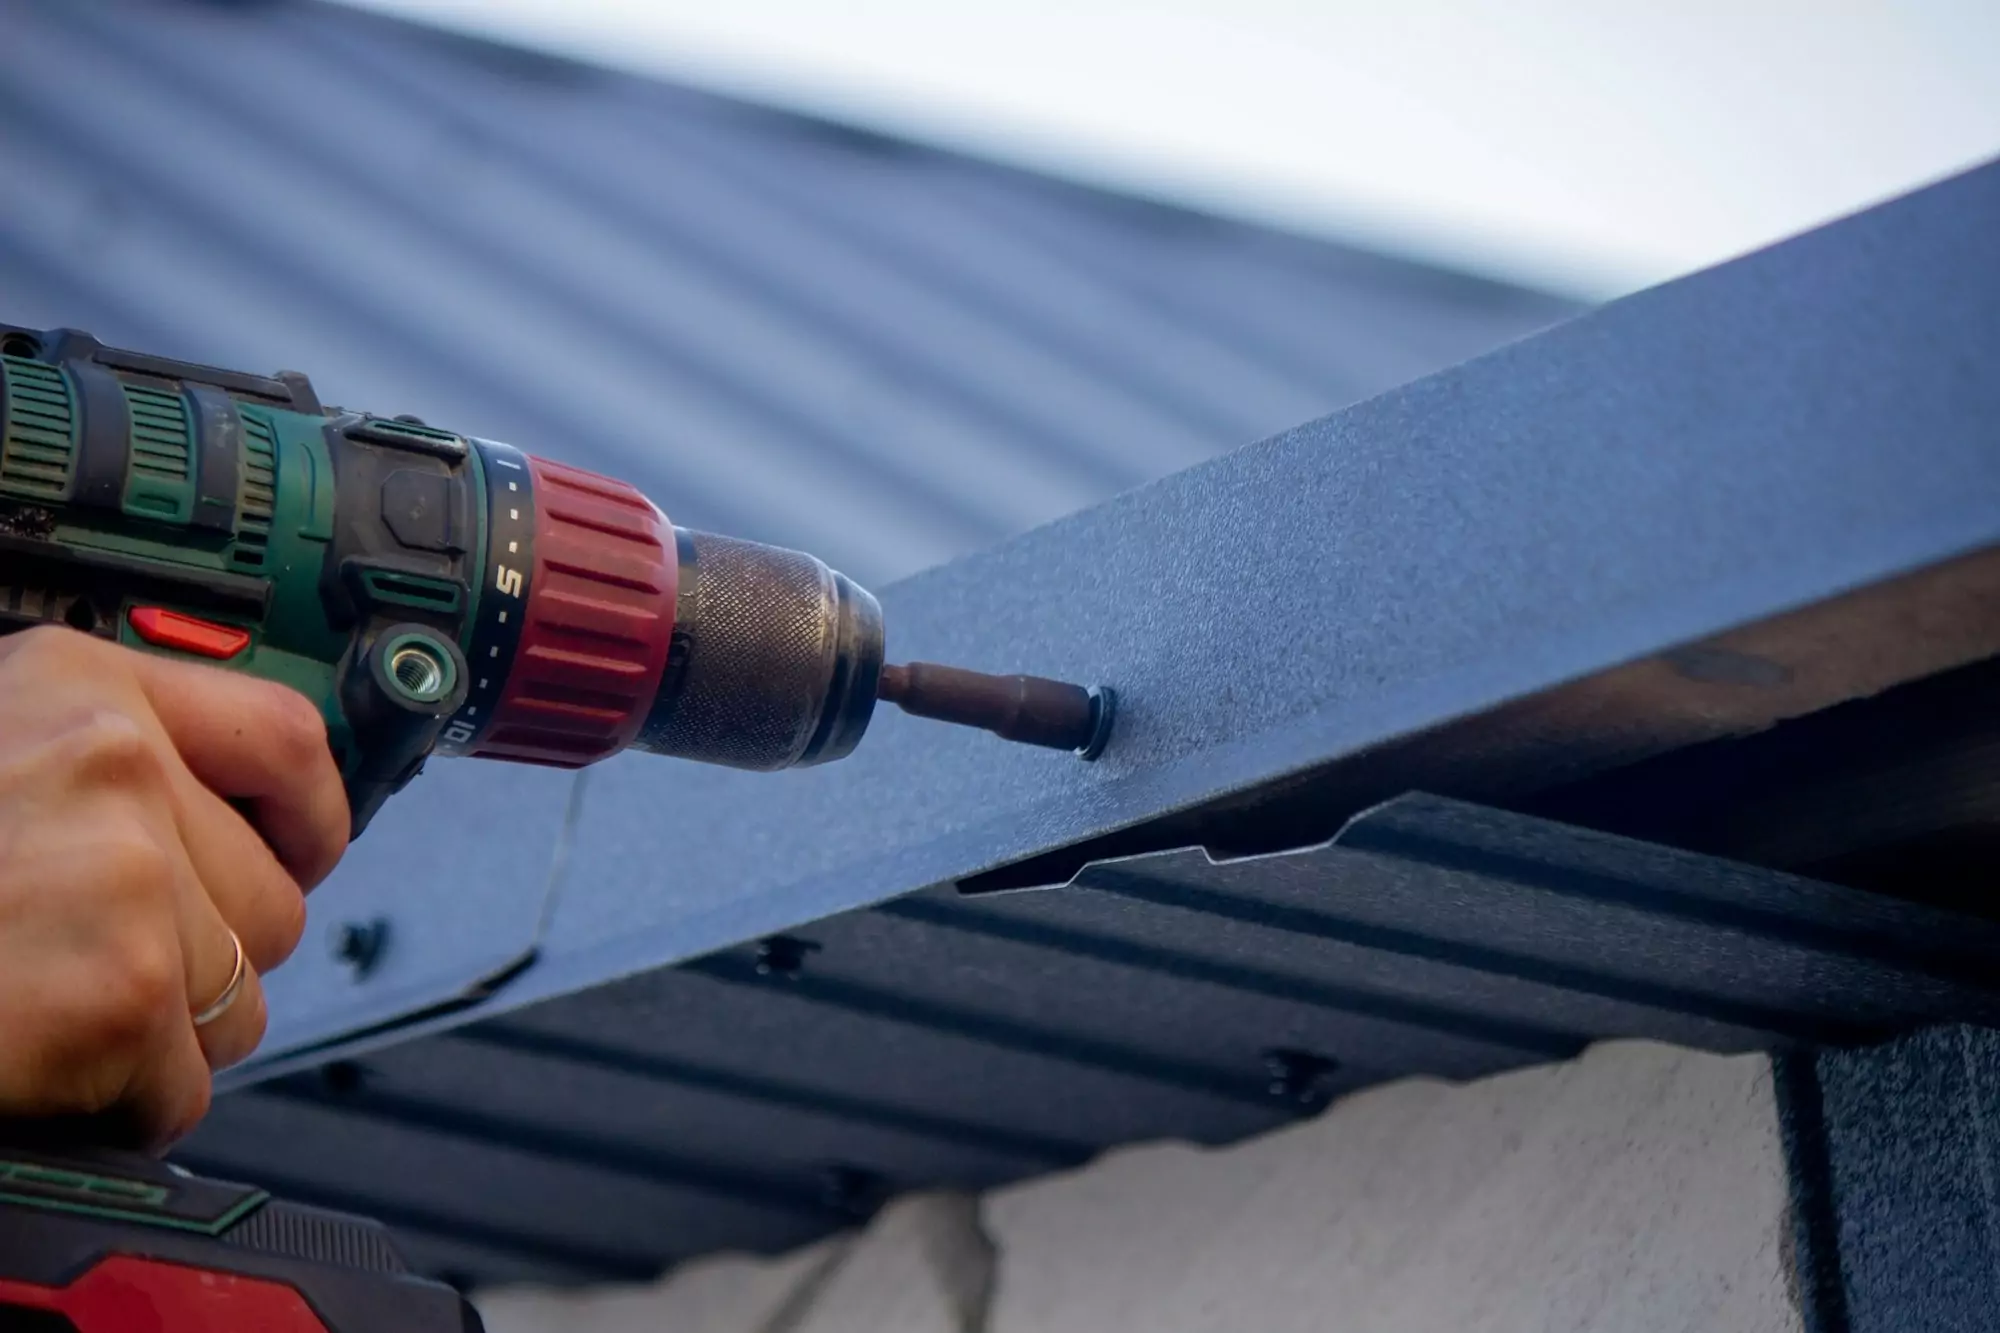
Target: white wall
x,y
1639,1189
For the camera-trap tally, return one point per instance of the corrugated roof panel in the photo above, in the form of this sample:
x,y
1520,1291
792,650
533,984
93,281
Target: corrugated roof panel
x,y
778,328
1482,585
800,333
762,1096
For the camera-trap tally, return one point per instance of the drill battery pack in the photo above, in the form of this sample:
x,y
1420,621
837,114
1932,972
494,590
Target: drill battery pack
x,y
105,1242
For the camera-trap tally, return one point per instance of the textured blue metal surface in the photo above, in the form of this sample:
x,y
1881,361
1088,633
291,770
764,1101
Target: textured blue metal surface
x,y
455,913
1755,453
778,328
1735,446
1477,584
943,1039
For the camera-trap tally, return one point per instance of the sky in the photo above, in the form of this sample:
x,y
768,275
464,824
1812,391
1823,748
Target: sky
x,y
1591,148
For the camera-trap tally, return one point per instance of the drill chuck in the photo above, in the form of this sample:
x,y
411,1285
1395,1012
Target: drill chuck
x,y
775,659
630,632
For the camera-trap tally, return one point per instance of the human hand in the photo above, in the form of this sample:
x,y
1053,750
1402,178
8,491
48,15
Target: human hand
x,y
124,869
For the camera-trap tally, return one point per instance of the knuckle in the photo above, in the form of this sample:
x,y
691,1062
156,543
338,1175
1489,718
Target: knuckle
x,y
130,864
52,647
293,728
110,749
106,1023
142,983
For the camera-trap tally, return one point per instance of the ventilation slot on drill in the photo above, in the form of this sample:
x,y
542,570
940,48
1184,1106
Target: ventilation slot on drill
x,y
414,590
40,445
160,484
300,1232
257,495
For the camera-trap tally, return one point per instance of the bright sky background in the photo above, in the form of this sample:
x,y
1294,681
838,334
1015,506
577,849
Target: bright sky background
x,y
1589,145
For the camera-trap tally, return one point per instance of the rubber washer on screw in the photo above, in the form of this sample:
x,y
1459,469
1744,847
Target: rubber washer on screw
x,y
1103,712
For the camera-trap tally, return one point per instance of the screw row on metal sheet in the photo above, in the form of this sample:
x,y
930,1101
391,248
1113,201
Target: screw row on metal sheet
x,y
1294,1074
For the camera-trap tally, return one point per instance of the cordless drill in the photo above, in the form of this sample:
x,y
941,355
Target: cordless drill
x,y
433,594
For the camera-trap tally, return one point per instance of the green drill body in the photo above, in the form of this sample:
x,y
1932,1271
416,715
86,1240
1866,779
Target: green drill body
x,y
281,519
132,484
431,592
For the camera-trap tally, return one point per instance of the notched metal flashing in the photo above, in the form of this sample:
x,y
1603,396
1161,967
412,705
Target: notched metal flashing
x,y
1449,884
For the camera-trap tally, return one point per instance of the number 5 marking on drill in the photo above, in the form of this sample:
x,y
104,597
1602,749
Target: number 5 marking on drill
x,y
507,580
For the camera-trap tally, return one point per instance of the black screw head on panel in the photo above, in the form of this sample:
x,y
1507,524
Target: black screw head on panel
x,y
1299,1076
852,1190
359,944
783,956
342,1078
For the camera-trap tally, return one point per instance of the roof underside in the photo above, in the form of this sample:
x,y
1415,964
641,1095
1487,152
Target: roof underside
x,y
760,1097
1431,655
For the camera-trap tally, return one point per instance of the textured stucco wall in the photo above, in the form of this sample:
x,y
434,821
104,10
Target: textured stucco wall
x,y
1640,1188
1895,1163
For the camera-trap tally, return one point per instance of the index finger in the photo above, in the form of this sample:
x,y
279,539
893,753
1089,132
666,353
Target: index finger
x,y
259,743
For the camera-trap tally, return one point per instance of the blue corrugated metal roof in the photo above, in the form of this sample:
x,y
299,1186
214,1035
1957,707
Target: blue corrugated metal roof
x,y
1725,524
891,356
779,327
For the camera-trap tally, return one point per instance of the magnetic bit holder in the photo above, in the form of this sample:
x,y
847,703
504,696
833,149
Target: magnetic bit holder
x,y
1030,710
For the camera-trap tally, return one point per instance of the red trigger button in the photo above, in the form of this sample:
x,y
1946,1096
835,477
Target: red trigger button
x,y
171,629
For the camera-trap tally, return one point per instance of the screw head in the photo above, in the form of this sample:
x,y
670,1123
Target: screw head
x,y
848,1189
1103,715
783,956
359,944
342,1078
1297,1075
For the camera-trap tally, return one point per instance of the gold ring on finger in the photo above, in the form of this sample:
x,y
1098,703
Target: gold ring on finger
x,y
229,992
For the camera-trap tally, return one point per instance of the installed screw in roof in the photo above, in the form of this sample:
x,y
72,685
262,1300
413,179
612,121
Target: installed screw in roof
x,y
783,956
853,1190
342,1078
359,944
1299,1076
